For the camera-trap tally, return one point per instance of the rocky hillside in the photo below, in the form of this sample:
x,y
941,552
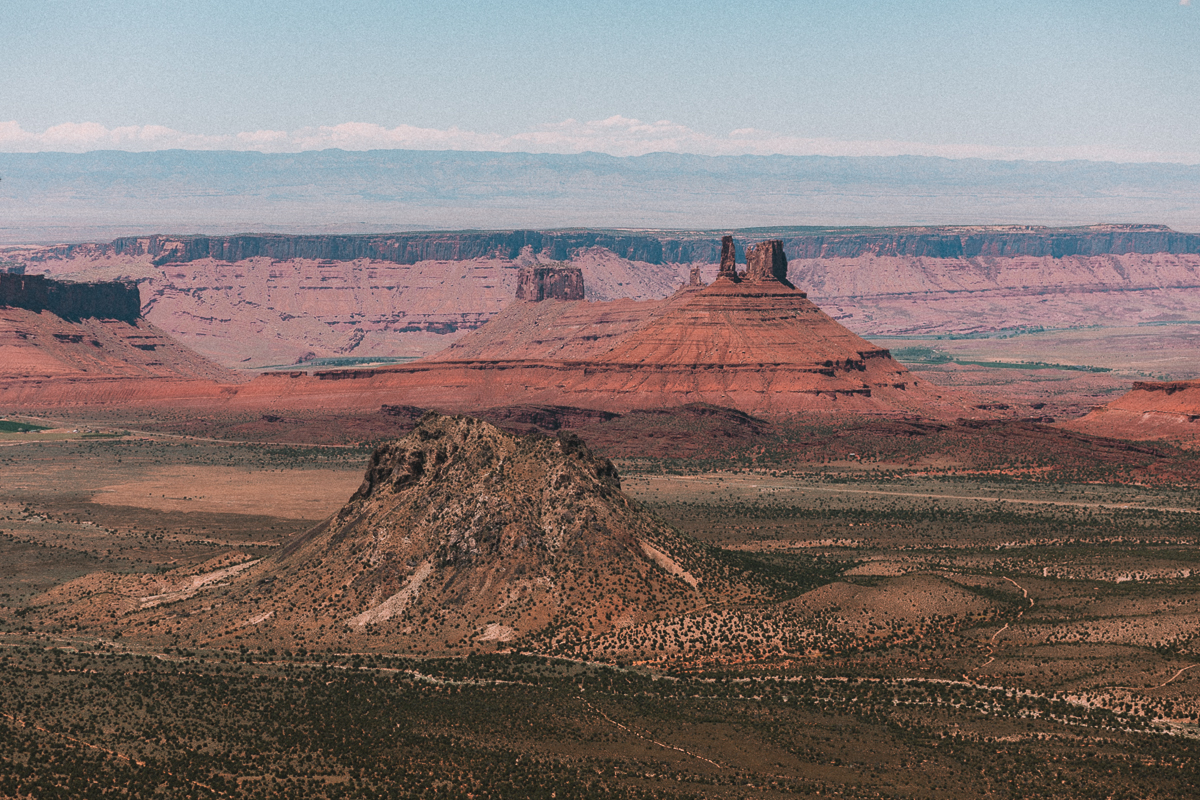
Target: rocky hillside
x,y
116,300
75,334
461,537
1150,410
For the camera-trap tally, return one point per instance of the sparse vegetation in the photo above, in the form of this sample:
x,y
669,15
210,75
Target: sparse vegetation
x,y
12,426
1020,622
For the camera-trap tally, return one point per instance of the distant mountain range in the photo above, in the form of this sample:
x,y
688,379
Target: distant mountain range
x,y
50,197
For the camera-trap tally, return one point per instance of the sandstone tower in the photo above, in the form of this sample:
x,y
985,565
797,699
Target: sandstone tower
x,y
728,260
766,261
550,283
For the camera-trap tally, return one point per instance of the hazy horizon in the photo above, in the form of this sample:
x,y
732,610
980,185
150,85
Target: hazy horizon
x,y
1023,113
52,197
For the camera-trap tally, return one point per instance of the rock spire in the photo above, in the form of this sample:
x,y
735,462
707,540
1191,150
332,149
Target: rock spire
x,y
766,262
728,260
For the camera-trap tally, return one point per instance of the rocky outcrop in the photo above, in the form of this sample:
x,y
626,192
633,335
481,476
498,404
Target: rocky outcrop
x,y
116,300
550,283
463,537
1167,410
1168,388
765,262
728,269
759,346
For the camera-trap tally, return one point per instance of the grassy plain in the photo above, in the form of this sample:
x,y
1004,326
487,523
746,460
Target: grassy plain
x,y
980,621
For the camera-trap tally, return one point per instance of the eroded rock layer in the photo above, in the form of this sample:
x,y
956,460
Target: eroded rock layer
x,y
57,336
117,300
1150,410
460,537
550,283
757,344
251,301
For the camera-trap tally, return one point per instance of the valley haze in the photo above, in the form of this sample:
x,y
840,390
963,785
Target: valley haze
x,y
69,197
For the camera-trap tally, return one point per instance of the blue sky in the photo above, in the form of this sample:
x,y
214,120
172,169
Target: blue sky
x,y
1105,80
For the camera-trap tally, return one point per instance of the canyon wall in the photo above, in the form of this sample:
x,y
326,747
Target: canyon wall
x,y
117,300
409,248
651,248
58,330
308,301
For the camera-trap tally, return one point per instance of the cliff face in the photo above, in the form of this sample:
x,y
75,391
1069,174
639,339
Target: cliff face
x,y
766,262
649,248
394,248
117,300
550,283
1055,244
267,310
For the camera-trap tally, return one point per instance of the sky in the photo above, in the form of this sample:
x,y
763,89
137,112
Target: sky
x,y
1107,80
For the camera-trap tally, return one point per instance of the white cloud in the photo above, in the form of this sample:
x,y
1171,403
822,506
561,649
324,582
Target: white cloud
x,y
617,135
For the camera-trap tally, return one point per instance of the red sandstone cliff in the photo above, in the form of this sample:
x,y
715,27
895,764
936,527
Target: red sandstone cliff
x,y
59,336
757,345
559,282
258,300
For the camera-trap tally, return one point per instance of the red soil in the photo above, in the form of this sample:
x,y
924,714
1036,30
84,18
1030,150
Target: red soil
x,y
1150,410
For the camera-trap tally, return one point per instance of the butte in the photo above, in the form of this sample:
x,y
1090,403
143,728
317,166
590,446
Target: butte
x,y
749,341
460,537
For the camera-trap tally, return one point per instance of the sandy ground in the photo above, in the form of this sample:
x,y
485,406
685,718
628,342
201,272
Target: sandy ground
x,y
294,494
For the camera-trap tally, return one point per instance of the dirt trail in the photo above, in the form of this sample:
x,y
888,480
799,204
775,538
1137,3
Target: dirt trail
x,y
663,745
991,645
1168,681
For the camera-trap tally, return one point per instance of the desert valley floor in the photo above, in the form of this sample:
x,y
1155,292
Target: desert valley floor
x,y
943,618
955,555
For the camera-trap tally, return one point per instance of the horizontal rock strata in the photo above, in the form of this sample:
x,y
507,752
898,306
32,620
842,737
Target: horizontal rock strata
x,y
668,247
1150,410
117,300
